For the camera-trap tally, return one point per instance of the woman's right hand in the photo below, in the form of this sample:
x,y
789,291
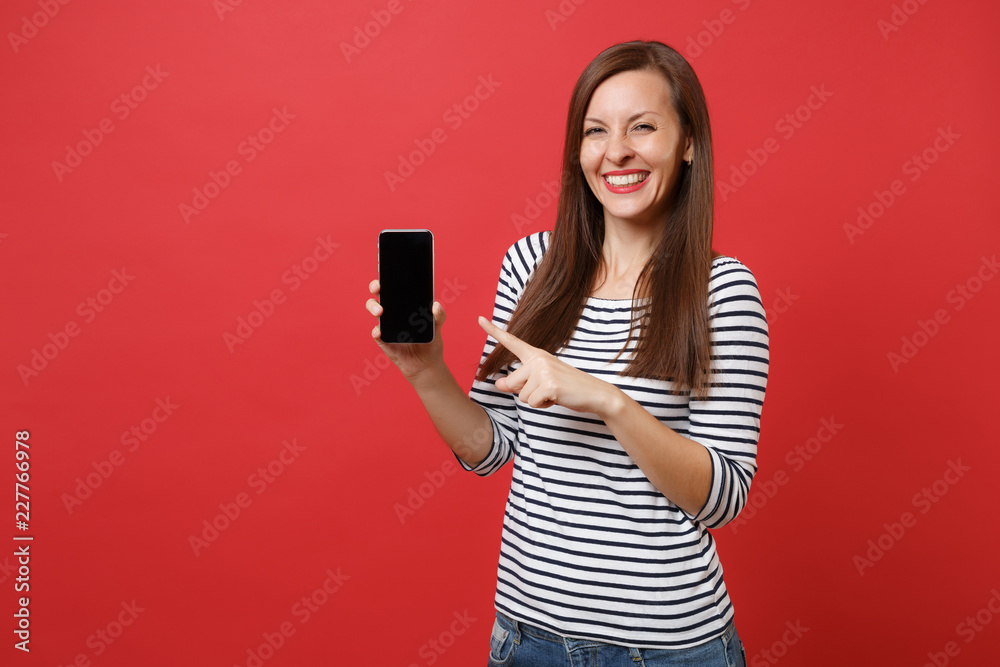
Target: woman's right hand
x,y
412,359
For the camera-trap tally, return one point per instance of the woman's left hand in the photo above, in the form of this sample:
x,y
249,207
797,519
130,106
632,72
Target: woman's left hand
x,y
543,380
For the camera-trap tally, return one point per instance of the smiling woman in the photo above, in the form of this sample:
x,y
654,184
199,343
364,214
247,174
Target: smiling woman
x,y
624,375
637,108
650,142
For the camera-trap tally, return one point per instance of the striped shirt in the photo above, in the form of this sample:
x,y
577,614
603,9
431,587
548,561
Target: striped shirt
x,y
590,549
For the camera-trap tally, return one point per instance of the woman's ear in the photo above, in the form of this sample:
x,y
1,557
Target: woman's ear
x,y
689,149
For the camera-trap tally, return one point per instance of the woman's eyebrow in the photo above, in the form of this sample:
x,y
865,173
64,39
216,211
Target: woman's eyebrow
x,y
631,118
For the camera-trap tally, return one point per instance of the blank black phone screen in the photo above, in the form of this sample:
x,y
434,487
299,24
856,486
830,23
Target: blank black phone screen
x,y
406,279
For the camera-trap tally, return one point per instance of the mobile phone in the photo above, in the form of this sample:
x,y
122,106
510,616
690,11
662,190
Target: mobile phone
x,y
406,280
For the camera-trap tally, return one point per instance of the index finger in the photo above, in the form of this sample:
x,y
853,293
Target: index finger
x,y
520,349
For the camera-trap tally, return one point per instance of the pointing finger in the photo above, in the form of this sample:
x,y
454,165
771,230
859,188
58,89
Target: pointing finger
x,y
521,350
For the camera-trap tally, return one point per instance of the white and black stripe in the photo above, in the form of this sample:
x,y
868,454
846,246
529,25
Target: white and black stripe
x,y
590,549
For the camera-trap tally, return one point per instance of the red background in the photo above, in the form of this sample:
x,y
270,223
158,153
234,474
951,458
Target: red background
x,y
838,306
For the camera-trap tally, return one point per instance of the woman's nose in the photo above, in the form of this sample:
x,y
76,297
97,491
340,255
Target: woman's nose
x,y
619,148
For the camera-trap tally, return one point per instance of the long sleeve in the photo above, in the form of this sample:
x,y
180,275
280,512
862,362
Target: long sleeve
x,y
517,266
727,422
589,547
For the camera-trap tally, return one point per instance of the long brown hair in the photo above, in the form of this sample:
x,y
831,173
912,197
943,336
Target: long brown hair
x,y
675,344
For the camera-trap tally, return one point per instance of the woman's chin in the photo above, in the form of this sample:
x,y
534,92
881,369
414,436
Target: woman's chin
x,y
632,216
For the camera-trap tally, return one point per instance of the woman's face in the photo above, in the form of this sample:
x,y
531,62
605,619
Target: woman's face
x,y
633,146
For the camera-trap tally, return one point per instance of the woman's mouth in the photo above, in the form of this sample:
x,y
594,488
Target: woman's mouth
x,y
625,183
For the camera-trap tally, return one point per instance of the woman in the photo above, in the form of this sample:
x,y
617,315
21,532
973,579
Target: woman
x,y
627,387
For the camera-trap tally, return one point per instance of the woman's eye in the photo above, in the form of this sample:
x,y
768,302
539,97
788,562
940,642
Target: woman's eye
x,y
594,130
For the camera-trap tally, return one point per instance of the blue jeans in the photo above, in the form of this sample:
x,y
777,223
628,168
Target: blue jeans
x,y
517,644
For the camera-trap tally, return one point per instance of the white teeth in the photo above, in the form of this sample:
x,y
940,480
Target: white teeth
x,y
628,179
